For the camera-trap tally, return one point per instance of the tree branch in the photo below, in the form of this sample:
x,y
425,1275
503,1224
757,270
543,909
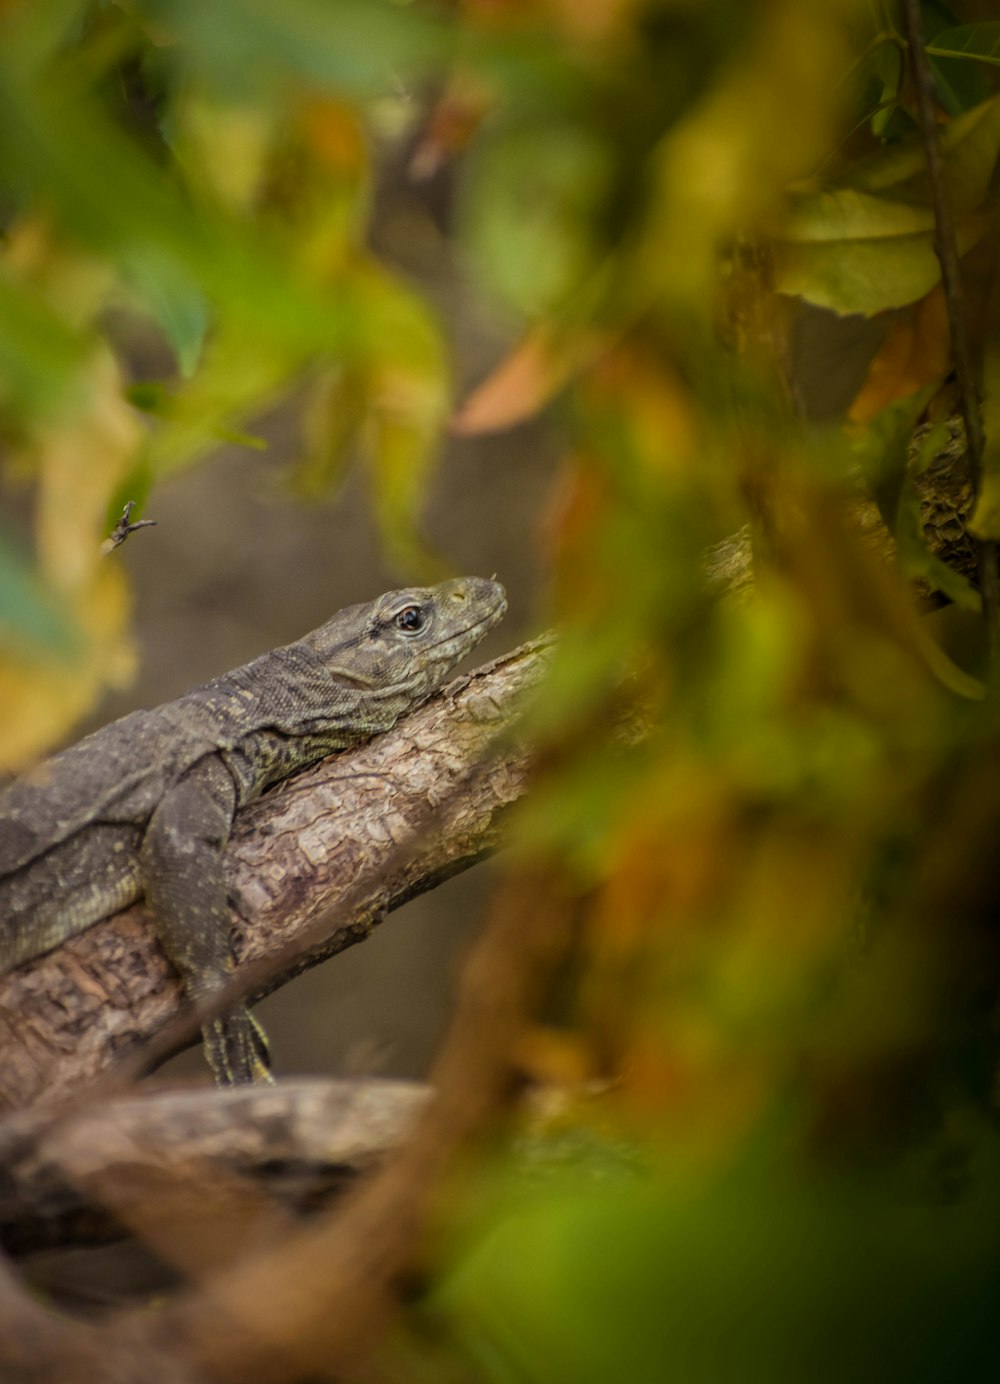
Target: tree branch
x,y
309,1303
88,1176
355,836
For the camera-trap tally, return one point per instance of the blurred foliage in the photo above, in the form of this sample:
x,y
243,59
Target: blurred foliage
x,y
786,979
784,997
203,171
757,1278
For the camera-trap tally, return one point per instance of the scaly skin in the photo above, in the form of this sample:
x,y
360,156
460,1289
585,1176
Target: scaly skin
x,y
145,806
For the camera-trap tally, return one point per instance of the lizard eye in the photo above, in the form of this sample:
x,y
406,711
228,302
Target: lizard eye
x,y
411,619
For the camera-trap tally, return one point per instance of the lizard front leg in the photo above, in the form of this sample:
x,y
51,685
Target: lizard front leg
x,y
181,862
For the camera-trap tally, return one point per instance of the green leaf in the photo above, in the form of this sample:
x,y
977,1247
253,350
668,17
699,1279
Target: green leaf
x,y
884,457
177,304
887,63
846,213
39,352
881,452
54,138
29,618
970,146
868,275
979,41
917,560
985,519
866,244
241,47
530,202
752,1277
332,417
150,396
959,86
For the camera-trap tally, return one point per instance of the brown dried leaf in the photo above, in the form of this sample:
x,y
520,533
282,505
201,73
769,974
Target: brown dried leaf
x,y
914,353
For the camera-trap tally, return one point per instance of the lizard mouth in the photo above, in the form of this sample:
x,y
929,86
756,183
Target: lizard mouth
x,y
492,616
485,622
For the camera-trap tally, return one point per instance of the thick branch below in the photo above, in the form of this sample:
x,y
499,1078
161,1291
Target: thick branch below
x,y
89,1175
364,831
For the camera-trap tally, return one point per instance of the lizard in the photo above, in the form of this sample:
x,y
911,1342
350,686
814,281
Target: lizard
x,y
143,807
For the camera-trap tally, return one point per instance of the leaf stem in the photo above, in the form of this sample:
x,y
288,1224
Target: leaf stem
x,y
946,249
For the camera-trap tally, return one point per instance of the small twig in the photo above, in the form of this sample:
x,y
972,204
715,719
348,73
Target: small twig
x,y
319,1300
946,249
123,528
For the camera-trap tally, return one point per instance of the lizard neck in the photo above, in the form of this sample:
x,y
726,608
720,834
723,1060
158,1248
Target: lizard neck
x,y
301,713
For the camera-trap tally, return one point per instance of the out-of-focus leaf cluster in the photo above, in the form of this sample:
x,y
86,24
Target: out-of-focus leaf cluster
x,y
202,172
779,812
758,1278
787,965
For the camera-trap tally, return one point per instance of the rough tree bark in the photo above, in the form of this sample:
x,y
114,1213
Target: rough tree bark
x,y
347,841
85,1176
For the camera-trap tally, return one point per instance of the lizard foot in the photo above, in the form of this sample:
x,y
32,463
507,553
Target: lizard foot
x,y
237,1049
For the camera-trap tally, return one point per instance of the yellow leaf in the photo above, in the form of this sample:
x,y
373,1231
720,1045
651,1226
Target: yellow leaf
x,y
332,414
43,696
723,168
407,401
80,460
868,274
224,146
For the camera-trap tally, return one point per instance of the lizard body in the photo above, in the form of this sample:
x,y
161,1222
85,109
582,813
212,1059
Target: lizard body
x,y
144,806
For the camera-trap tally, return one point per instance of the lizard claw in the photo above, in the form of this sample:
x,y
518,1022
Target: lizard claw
x,y
237,1049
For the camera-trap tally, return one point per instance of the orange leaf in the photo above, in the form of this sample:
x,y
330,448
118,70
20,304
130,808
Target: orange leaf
x,y
593,21
452,124
335,134
914,353
555,1057
519,387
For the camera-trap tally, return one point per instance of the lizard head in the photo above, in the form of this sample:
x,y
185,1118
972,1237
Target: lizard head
x,y
408,641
